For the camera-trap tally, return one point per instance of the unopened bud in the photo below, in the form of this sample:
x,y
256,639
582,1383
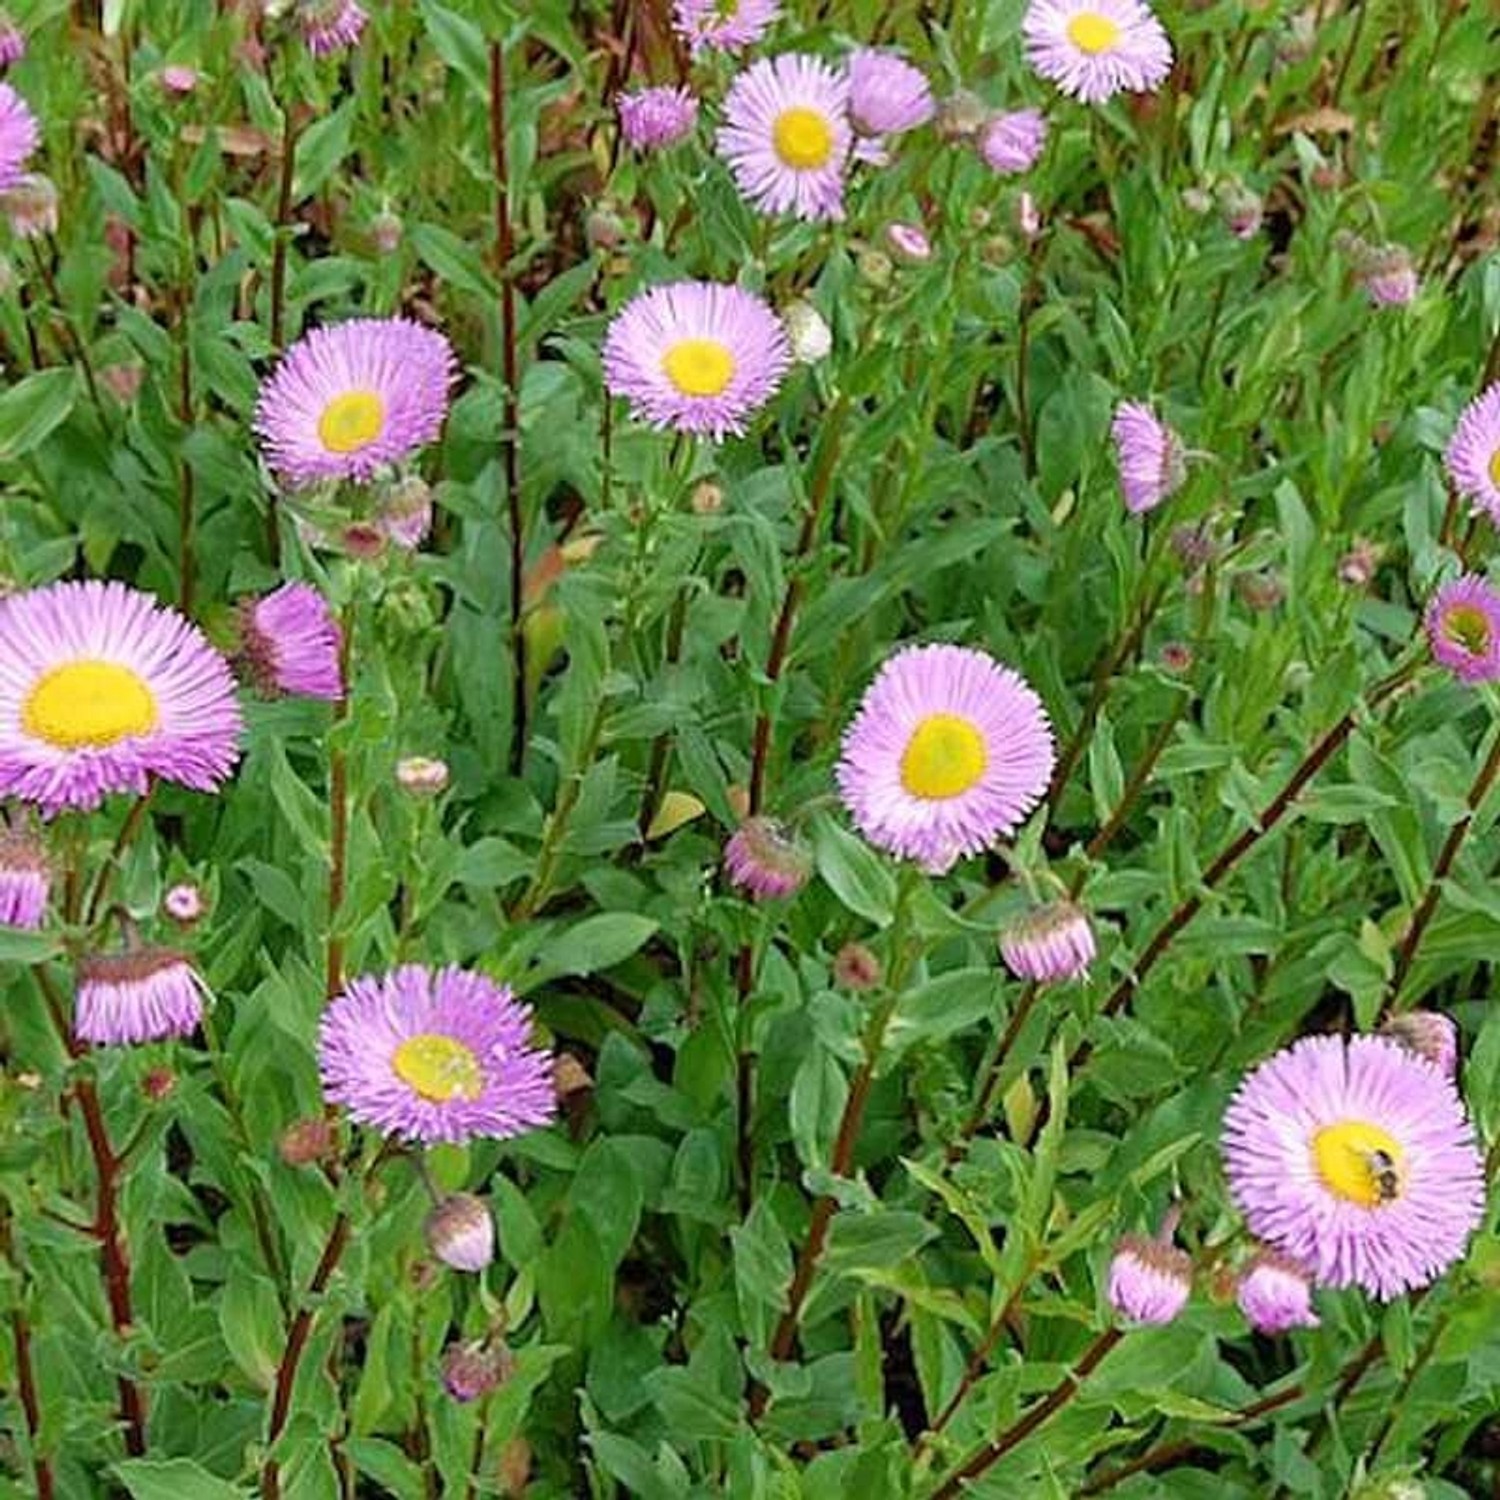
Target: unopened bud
x,y
30,204
123,382
908,242
385,232
461,1233
158,1084
708,498
421,775
569,1076
808,332
178,79
474,1369
1260,591
961,115
604,230
1357,566
184,904
1243,211
874,268
856,968
304,1143
1176,657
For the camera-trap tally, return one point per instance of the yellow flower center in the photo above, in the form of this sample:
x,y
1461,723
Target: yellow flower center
x,y
1359,1162
437,1067
803,138
1092,33
1495,466
351,421
699,367
92,703
1467,626
944,757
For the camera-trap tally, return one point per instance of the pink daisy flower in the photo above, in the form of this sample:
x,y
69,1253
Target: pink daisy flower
x,y
145,995
1463,628
25,879
1012,142
330,25
1149,1280
435,1055
1049,943
1275,1294
1153,463
1094,49
763,859
102,688
696,356
786,136
1473,456
18,136
887,95
349,399
723,25
657,117
1355,1158
949,751
292,644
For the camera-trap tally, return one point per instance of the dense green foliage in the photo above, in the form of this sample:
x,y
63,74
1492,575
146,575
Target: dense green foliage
x,y
953,452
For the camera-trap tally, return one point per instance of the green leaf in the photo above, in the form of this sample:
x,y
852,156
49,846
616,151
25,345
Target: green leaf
x,y
32,408
692,1408
173,1479
816,1105
854,872
857,1240
598,942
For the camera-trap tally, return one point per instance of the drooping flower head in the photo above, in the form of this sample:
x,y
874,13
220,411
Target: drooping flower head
x,y
696,356
657,117
1094,49
1429,1034
12,42
102,688
762,858
1463,628
1049,943
949,750
18,136
347,399
1153,463
30,206
887,95
291,643
435,1055
1355,1158
1473,456
473,1369
723,25
461,1232
330,25
25,878
786,136
403,511
1012,142
1275,1294
1149,1279
143,995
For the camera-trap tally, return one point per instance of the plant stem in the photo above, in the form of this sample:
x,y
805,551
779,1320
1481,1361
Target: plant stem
x,y
1139,776
114,1261
817,495
281,229
338,813
510,435
1406,955
1355,33
296,1343
134,820
1063,1392
662,746
20,1332
985,1101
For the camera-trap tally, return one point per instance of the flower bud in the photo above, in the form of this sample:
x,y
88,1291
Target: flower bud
x,y
461,1233
570,1076
1260,591
856,968
1357,566
762,858
1149,1281
184,904
305,1143
707,498
1430,1035
403,512
1243,211
908,242
1176,657
1275,1294
158,1084
25,879
385,232
808,333
123,382
874,268
178,79
30,204
1028,216
421,775
962,114
1049,943
474,1369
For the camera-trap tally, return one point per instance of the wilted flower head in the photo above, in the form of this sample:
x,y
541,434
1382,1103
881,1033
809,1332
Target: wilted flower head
x,y
1149,1280
657,117
330,25
1275,1294
184,904
696,356
142,995
291,643
350,398
887,95
786,136
1094,49
30,206
1153,462
461,1232
474,1369
435,1055
1473,456
1463,628
908,242
1354,1157
1430,1035
762,858
102,688
949,750
808,332
1012,141
18,136
25,879
421,775
1049,943
723,25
